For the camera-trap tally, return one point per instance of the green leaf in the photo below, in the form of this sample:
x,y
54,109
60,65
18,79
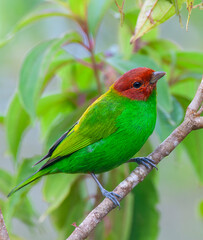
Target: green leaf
x,y
35,67
96,10
130,19
198,4
56,189
120,64
60,61
15,237
123,65
190,61
19,200
193,144
185,88
34,17
71,210
78,7
77,77
32,72
126,49
2,118
164,99
184,101
77,50
17,120
25,212
63,123
201,209
5,181
20,207
158,48
168,121
51,107
153,13
26,169
184,65
145,220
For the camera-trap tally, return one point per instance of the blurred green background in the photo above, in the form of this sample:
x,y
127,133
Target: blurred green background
x,y
168,204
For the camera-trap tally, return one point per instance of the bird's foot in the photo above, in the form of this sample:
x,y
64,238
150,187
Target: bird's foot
x,y
112,196
147,162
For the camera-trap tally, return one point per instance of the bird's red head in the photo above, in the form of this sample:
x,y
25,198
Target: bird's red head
x,y
138,83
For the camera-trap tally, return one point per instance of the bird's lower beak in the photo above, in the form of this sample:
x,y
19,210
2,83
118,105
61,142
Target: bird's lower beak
x,y
156,76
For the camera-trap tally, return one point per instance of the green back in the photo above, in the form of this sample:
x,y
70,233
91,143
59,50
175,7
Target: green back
x,y
110,132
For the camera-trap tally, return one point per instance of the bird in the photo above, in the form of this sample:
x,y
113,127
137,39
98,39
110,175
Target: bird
x,y
109,133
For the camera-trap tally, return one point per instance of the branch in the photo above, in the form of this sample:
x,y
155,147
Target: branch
x,y
192,121
3,231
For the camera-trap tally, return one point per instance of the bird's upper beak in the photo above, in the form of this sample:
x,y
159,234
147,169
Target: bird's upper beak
x,y
156,76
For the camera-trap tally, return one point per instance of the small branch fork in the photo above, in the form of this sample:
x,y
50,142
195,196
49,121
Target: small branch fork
x,y
192,121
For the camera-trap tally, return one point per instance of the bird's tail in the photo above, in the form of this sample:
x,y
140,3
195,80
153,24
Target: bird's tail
x,y
30,179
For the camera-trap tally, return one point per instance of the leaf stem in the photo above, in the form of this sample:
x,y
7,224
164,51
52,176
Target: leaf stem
x,y
96,73
94,63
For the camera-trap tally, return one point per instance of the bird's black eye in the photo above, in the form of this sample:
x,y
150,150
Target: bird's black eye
x,y
137,84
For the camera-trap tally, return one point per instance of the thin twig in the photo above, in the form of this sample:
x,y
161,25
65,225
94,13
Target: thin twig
x,y
96,73
94,63
120,9
95,66
191,122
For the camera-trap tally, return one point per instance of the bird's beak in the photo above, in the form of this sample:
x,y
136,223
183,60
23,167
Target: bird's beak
x,y
156,76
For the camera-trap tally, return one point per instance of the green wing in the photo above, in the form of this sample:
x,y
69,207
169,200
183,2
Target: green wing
x,y
97,122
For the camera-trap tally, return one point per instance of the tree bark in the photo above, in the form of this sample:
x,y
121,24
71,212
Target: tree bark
x,y
3,231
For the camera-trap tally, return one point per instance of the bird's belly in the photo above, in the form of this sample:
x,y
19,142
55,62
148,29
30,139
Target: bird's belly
x,y
105,154
134,126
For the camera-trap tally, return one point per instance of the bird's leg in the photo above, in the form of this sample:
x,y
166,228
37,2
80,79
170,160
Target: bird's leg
x,y
147,162
111,195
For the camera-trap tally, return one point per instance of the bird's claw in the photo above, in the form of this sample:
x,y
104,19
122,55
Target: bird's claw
x,y
112,196
147,162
